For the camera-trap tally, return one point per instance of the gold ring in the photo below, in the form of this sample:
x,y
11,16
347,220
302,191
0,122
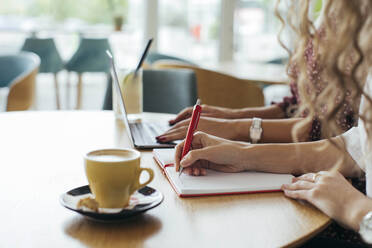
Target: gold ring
x,y
315,176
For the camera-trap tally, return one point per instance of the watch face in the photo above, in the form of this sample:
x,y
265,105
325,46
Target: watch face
x,y
367,220
255,134
366,228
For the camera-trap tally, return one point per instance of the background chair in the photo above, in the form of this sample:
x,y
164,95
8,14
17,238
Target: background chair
x,y
279,61
51,61
18,74
164,91
168,91
152,57
90,57
222,90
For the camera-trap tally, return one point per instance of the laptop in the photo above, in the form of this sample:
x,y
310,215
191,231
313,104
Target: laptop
x,y
141,134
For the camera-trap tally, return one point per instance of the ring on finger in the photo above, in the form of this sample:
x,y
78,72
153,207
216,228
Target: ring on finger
x,y
315,177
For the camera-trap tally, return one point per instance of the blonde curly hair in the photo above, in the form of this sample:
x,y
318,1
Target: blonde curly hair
x,y
342,50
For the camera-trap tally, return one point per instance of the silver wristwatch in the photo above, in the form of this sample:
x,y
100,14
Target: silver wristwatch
x,y
365,228
255,130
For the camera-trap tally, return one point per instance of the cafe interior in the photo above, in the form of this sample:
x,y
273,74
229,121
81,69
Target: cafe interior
x,y
64,103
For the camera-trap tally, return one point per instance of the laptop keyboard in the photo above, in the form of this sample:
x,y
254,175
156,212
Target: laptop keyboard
x,y
145,133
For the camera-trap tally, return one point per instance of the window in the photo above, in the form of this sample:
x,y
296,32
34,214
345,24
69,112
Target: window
x,y
65,19
186,28
189,28
255,31
129,43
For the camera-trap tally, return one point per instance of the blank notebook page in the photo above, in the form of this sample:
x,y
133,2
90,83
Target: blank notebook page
x,y
220,182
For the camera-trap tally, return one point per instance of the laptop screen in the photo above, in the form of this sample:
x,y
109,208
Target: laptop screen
x,y
120,98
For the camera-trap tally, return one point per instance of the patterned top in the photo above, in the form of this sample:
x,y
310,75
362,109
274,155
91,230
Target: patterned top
x,y
346,117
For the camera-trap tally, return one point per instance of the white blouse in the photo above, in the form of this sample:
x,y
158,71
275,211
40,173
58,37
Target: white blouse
x,y
356,141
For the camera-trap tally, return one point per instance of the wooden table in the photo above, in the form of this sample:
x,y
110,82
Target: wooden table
x,y
41,157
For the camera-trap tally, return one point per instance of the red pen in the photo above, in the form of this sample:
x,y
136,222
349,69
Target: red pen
x,y
191,129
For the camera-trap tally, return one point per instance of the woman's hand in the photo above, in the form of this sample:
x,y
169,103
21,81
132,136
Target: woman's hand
x,y
331,193
208,111
219,127
210,152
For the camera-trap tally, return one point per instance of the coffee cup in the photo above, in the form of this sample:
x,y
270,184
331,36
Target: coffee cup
x,y
113,175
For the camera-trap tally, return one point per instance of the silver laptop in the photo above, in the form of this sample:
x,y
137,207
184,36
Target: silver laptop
x,y
141,134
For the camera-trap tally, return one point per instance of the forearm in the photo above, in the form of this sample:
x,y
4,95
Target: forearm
x,y
274,131
298,158
267,112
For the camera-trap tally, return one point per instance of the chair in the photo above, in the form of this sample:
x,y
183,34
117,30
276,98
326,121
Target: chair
x,y
51,61
222,90
164,91
90,57
18,74
168,91
152,57
278,61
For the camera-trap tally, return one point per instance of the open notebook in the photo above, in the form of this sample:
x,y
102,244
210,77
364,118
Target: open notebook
x,y
217,183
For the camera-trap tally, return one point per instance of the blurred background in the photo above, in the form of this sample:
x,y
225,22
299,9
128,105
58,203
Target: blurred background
x,y
206,32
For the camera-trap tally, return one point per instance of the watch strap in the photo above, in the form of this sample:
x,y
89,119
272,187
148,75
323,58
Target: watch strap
x,y
255,130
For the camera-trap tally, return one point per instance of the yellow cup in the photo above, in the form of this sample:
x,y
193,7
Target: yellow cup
x,y
113,175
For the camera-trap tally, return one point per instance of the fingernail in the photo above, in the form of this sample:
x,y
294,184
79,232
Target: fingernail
x,y
183,161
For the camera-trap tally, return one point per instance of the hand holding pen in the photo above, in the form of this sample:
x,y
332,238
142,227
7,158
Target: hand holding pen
x,y
193,125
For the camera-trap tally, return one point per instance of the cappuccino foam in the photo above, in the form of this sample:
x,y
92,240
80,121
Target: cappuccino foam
x,y
112,156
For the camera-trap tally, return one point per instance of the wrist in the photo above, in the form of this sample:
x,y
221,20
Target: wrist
x,y
277,111
241,128
249,158
236,114
357,210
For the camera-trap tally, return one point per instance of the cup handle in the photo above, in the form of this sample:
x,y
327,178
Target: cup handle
x,y
151,177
